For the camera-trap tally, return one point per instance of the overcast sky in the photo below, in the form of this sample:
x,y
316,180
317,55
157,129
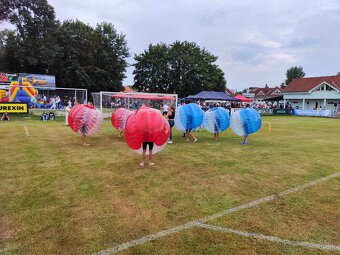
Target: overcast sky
x,y
256,41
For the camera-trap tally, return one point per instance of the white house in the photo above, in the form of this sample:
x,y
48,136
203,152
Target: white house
x,y
310,93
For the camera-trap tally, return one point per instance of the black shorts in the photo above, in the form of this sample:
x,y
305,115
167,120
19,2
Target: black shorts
x,y
148,143
165,113
188,130
84,129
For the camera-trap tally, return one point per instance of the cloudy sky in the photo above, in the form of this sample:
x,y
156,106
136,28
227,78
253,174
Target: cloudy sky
x,y
256,41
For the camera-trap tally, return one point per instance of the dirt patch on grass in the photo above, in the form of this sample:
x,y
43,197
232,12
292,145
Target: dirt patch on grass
x,y
6,232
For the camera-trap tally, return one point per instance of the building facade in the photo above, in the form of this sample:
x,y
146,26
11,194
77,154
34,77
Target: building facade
x,y
314,92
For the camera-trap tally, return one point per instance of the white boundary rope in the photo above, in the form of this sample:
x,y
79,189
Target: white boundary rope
x,y
214,216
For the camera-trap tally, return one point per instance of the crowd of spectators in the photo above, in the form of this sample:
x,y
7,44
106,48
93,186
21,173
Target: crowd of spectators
x,y
41,101
134,104
228,105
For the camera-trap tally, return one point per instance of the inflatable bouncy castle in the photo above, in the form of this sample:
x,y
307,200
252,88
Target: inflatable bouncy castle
x,y
21,91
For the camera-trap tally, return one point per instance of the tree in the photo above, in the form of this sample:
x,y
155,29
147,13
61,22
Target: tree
x,y
35,32
92,58
110,60
7,6
77,54
152,70
9,47
294,73
181,68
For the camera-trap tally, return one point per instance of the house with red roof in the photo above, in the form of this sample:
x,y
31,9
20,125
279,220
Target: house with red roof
x,y
259,95
313,92
229,92
127,89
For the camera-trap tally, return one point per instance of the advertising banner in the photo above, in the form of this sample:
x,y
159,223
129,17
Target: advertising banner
x,y
265,111
36,80
283,111
314,113
232,110
6,79
13,108
40,80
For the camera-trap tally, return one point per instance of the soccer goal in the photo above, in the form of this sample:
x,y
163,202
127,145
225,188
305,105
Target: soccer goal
x,y
106,101
34,96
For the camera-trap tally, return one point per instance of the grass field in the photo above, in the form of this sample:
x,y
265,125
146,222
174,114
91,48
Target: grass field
x,y
58,197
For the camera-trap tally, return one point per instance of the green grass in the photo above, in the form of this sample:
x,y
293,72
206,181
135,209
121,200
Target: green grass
x,y
58,197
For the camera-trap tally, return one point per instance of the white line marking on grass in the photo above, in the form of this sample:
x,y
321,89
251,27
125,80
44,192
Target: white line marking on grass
x,y
146,239
268,198
26,130
211,217
271,238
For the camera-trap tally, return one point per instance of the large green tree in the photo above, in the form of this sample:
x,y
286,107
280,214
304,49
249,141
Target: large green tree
x,y
92,58
34,38
152,69
110,58
182,67
79,55
294,72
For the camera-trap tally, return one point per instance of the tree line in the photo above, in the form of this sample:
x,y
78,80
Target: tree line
x,y
80,56
95,58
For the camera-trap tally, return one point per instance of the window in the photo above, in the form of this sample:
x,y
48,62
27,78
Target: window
x,y
329,88
323,87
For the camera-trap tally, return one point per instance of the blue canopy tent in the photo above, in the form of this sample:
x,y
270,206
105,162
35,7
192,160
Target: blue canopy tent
x,y
212,95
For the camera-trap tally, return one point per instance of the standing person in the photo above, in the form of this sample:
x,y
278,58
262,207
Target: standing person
x,y
33,101
58,102
38,101
54,103
171,120
145,144
84,128
165,109
69,103
216,134
188,134
67,111
44,100
245,140
188,131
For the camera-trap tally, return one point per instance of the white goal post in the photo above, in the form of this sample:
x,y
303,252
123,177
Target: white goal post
x,y
132,100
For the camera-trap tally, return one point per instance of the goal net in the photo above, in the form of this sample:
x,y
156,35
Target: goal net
x,y
106,101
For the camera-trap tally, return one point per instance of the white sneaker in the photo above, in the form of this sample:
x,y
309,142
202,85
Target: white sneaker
x,y
170,142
